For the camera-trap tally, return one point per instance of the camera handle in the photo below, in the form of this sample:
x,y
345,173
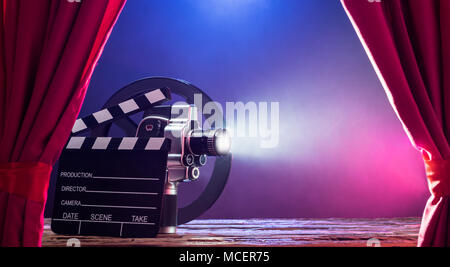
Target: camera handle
x,y
169,214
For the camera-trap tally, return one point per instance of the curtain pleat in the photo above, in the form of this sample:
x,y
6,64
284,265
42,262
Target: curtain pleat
x,y
408,43
48,51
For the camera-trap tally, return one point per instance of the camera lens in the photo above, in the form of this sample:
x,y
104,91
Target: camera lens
x,y
209,142
193,173
201,160
188,160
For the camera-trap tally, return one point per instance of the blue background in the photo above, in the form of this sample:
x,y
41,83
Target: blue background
x,y
342,151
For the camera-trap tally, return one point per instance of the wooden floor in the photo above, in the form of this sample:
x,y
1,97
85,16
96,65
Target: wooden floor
x,y
260,232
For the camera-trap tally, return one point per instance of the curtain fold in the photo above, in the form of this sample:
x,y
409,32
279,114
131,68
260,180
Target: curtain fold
x,y
408,43
48,51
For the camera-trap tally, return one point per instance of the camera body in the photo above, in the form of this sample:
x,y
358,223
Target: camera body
x,y
175,123
190,147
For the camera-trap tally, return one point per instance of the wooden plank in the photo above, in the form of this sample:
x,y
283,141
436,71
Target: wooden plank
x,y
268,232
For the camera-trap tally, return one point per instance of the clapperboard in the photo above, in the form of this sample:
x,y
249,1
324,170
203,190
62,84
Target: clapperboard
x,y
112,186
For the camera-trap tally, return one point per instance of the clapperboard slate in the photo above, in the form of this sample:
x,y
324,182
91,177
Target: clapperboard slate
x,y
110,187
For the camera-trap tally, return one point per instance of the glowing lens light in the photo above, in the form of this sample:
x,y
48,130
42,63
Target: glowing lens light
x,y
210,142
222,142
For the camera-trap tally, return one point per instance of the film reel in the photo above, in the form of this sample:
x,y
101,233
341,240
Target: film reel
x,y
222,165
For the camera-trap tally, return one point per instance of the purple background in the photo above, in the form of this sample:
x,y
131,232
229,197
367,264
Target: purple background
x,y
342,151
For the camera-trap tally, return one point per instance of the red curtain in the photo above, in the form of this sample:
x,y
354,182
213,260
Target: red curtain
x,y
48,50
408,43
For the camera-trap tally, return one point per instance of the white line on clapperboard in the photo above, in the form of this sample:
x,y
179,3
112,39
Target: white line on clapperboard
x,y
88,221
126,178
120,192
119,207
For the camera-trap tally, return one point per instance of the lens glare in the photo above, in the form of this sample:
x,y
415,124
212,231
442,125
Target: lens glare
x,y
222,142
